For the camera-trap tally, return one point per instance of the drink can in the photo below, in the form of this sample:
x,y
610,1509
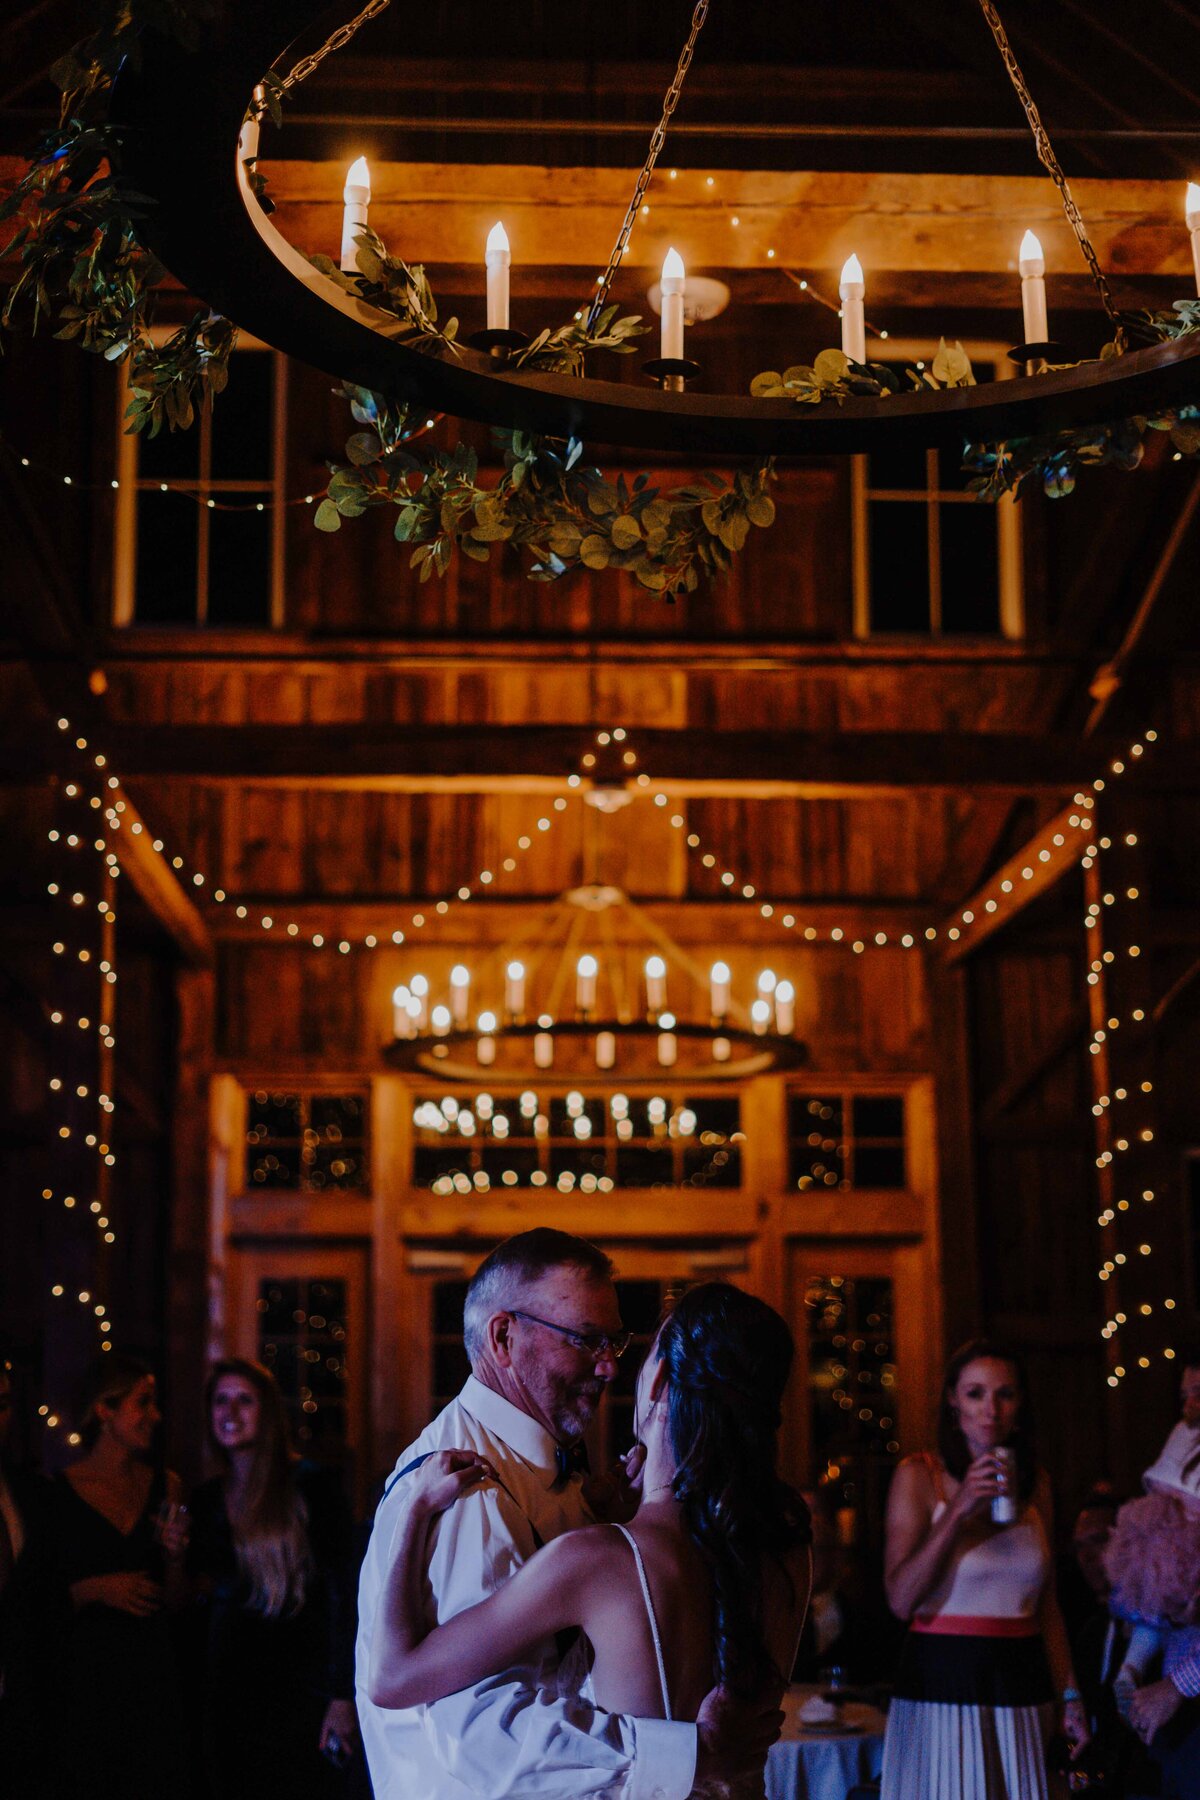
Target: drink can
x,y
1004,1504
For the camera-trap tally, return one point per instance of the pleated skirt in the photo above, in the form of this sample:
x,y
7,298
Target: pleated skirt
x,y
969,1720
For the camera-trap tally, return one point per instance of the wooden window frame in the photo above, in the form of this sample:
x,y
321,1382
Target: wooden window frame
x,y
1008,522
130,484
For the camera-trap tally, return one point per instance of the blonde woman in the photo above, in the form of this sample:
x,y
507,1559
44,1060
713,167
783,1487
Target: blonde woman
x,y
272,1546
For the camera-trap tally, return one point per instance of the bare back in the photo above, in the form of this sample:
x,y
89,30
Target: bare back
x,y
625,1675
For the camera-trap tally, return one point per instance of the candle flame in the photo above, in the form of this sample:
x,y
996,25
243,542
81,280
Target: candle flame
x,y
516,971
460,975
486,1023
1192,202
587,966
673,269
497,238
1031,249
852,270
656,968
719,972
358,174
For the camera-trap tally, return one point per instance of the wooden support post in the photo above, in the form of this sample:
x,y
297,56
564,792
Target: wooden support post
x,y
187,1338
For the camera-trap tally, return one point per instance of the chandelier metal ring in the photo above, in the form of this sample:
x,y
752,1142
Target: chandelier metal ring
x,y
454,1056
181,115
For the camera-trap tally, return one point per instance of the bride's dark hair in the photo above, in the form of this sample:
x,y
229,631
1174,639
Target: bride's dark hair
x,y
728,1356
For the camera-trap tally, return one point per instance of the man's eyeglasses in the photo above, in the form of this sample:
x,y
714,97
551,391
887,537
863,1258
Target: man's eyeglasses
x,y
595,1344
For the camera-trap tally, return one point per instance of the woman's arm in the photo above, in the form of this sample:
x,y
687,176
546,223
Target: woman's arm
x,y
917,1551
412,1667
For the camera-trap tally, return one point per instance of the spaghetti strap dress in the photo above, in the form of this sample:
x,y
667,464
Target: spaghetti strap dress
x,y
120,1732
973,1691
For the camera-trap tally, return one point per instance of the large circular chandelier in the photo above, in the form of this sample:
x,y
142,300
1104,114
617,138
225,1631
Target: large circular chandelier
x,y
183,116
564,1001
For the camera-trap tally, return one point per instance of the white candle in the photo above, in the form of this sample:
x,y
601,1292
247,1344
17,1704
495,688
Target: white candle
x,y
485,1048
1192,205
441,1020
460,992
656,984
760,1016
785,1008
401,1024
668,1044
718,981
248,141
1032,265
514,989
673,275
606,1049
586,970
543,1049
420,998
498,258
852,289
356,198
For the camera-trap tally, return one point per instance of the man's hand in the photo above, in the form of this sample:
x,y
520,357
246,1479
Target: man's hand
x,y
1152,1706
734,1735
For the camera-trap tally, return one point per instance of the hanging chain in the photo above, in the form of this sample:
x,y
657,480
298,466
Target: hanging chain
x,y
657,141
335,41
1048,159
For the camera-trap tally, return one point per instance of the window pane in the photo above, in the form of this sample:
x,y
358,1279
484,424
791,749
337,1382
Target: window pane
x,y
897,468
878,1165
970,568
643,1165
239,564
274,1115
302,1335
852,1379
899,552
277,1167
241,421
168,537
171,456
337,1116
878,1115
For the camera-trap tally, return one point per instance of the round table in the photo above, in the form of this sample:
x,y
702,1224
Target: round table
x,y
825,1765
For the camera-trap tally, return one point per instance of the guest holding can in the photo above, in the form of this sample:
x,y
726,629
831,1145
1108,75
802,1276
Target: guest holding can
x,y
968,1565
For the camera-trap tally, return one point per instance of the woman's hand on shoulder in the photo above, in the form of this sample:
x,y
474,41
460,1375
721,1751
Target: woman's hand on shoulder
x,y
446,1476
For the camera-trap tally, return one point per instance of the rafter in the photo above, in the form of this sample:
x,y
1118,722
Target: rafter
x,y
1035,868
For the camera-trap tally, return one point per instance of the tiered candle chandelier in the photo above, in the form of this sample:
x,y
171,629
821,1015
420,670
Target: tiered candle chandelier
x,y
183,118
594,990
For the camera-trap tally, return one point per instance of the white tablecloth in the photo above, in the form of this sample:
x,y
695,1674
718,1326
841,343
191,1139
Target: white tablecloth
x,y
825,1766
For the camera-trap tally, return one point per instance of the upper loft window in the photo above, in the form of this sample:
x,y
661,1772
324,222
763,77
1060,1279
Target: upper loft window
x,y
199,531
929,559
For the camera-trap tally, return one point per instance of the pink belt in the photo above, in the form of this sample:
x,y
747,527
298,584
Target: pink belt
x,y
966,1625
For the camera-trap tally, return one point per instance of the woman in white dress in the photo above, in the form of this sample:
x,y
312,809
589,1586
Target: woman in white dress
x,y
711,1578
986,1655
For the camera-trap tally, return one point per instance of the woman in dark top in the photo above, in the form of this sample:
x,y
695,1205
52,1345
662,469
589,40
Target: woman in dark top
x,y
272,1558
115,1539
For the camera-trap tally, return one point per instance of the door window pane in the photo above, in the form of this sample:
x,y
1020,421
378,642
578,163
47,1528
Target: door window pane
x,y
303,1338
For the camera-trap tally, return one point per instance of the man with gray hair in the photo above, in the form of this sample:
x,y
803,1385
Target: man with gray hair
x,y
542,1327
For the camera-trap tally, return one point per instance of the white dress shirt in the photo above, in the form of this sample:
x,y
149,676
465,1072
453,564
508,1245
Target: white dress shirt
x,y
523,1733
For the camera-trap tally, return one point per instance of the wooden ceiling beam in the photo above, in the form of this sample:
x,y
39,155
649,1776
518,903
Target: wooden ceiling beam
x,y
1036,867
496,758
494,920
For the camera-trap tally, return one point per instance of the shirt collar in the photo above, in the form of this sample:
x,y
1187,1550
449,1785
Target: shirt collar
x,y
513,1427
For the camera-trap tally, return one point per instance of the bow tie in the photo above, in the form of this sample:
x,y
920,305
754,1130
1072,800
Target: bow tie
x,y
570,1459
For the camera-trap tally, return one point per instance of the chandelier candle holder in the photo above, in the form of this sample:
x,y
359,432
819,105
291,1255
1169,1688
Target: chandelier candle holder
x,y
612,1023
